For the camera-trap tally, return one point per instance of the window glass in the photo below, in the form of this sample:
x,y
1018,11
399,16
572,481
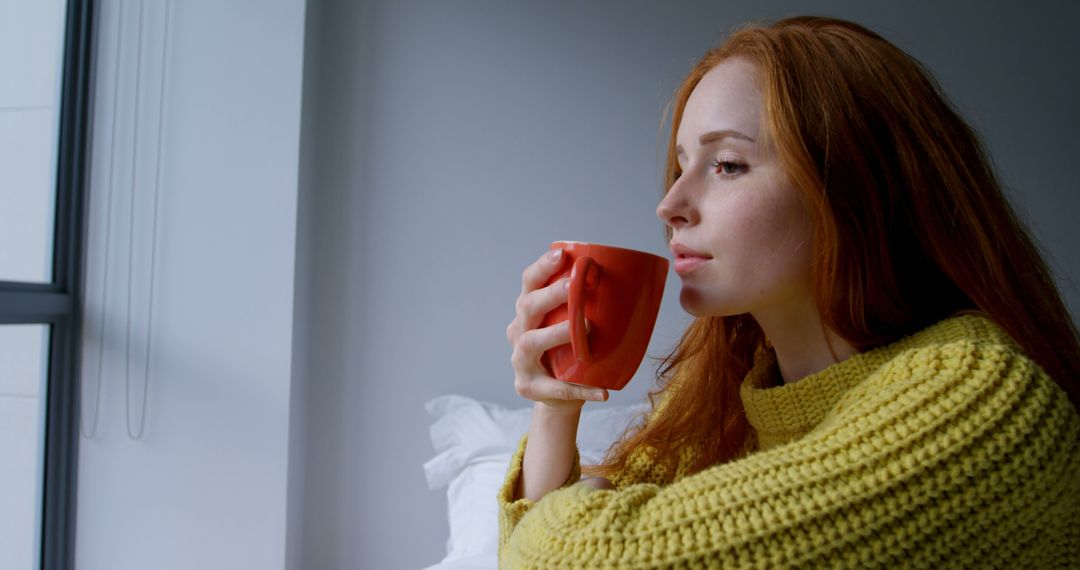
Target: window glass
x,y
24,351
31,42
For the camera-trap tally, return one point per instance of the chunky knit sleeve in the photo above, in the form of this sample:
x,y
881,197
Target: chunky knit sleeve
x,y
511,510
639,469
963,454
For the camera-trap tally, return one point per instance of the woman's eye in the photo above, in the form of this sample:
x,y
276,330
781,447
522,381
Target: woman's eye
x,y
727,167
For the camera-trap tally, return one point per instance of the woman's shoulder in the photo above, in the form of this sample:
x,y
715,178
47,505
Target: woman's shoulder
x,y
960,329
966,345
959,372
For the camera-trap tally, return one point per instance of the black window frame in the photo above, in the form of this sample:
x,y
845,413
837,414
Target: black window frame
x,y
59,303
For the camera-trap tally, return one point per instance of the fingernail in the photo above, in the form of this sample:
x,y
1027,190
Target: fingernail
x,y
598,396
555,254
566,285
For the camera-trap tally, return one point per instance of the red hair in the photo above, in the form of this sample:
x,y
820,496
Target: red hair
x,y
910,227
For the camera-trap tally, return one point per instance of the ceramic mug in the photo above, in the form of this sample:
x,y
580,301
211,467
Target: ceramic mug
x,y
619,291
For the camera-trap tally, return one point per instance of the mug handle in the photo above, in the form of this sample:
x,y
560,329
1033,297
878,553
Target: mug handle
x,y
585,274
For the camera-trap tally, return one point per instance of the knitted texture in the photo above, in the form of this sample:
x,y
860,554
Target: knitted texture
x,y
948,448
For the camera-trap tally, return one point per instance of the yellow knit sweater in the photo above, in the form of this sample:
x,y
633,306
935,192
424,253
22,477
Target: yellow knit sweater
x,y
948,448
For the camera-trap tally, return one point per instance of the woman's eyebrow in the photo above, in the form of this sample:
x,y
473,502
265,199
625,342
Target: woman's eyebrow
x,y
714,136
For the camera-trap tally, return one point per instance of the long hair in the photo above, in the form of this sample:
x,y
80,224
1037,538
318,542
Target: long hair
x,y
910,227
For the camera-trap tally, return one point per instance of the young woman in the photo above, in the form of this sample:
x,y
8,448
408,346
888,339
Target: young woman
x,y
881,371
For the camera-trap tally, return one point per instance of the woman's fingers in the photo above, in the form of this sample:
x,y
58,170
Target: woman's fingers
x,y
533,303
541,388
538,273
532,344
538,303
531,379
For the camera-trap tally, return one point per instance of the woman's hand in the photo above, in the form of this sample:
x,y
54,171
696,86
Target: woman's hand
x,y
531,379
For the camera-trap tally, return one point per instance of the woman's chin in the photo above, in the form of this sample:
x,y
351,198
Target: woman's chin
x,y
700,306
695,304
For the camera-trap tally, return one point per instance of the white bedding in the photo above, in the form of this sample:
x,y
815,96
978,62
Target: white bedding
x,y
473,443
487,561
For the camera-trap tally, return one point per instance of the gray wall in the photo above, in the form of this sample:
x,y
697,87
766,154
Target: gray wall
x,y
443,146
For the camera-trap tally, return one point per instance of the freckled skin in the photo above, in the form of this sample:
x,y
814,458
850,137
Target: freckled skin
x,y
748,218
734,202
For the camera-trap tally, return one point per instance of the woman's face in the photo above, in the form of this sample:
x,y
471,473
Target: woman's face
x,y
735,206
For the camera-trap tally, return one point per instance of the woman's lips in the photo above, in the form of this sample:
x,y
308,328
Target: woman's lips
x,y
687,259
684,265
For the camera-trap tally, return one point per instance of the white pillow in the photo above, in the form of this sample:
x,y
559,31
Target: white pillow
x,y
473,443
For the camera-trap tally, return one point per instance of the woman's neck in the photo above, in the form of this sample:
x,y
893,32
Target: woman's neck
x,y
801,341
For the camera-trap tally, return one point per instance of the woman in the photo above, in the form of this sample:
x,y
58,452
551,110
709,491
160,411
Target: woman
x,y
881,371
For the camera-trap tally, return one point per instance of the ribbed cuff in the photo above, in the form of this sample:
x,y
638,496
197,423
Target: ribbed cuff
x,y
510,510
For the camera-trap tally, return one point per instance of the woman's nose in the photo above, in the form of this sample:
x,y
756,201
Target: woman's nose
x,y
674,209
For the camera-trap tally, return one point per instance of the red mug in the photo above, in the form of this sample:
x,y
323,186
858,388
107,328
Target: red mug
x,y
619,291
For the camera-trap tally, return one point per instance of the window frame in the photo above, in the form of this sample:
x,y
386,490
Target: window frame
x,y
59,303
